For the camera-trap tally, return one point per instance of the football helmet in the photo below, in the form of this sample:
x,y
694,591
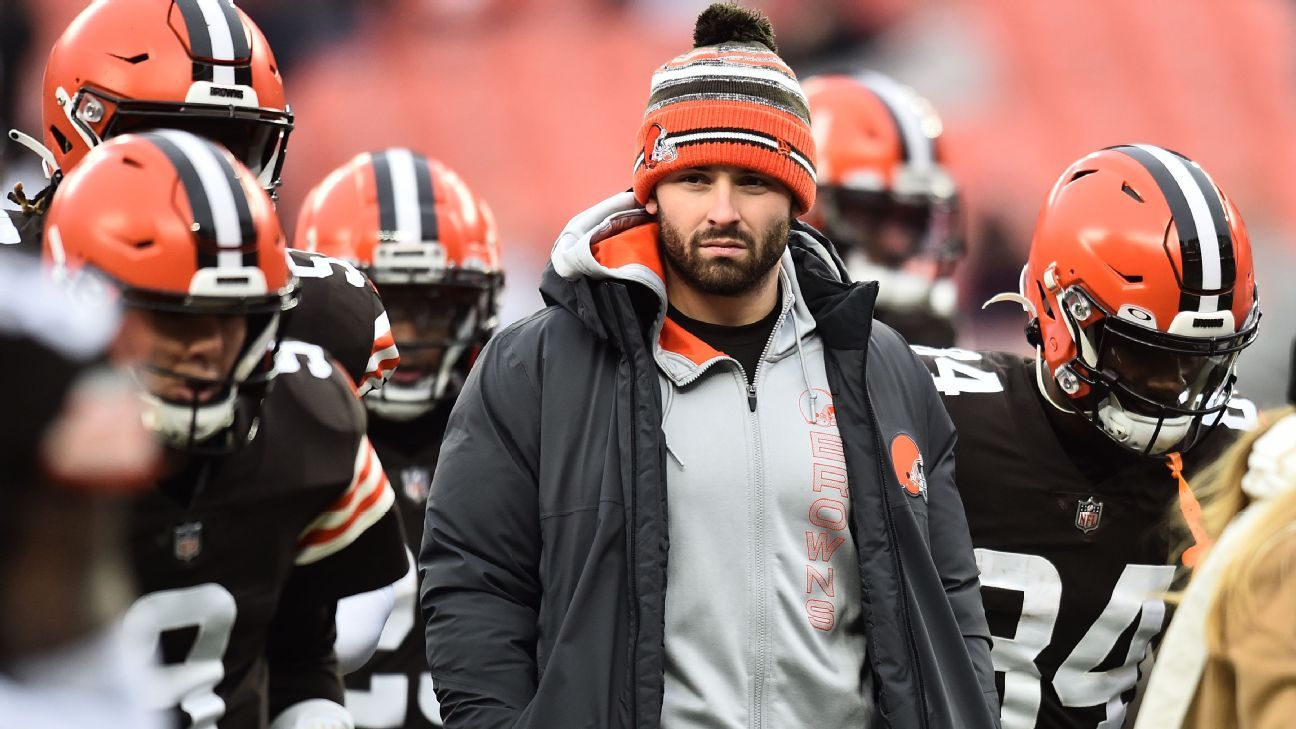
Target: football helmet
x,y
198,65
431,247
1142,293
181,230
885,197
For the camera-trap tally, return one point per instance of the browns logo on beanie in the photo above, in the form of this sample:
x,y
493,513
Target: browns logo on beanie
x,y
729,101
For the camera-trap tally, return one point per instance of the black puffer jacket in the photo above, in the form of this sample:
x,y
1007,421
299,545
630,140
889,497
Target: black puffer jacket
x,y
544,556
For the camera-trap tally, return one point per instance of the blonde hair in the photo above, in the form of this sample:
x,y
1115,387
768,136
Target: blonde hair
x,y
1222,498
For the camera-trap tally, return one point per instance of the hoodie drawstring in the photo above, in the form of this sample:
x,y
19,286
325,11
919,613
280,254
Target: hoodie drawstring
x,y
805,372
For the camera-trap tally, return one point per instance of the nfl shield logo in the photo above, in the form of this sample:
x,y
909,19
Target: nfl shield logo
x,y
1088,514
188,541
416,482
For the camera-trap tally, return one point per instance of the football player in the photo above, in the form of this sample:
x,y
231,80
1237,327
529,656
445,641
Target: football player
x,y
202,66
72,450
415,228
887,201
1140,294
273,504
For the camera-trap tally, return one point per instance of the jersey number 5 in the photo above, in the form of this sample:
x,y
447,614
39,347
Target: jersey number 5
x,y
190,685
321,266
1078,683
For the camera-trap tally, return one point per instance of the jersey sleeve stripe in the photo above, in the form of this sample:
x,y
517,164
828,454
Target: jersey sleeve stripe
x,y
340,511
373,498
363,478
366,500
383,358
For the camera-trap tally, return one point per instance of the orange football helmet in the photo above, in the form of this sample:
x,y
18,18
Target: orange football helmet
x,y
431,246
885,197
198,65
1142,291
177,226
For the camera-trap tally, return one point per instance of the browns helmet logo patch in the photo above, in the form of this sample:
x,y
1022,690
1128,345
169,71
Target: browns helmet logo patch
x,y
658,147
908,463
818,410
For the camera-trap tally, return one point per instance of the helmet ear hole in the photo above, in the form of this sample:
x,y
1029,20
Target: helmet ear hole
x,y
60,139
1048,308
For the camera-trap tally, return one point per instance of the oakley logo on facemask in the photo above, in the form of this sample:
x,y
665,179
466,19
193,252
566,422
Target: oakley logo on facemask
x,y
1129,312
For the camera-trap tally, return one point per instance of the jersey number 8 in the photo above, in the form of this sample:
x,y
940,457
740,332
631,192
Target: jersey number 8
x,y
190,685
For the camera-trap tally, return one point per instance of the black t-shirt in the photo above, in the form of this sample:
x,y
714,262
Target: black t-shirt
x,y
745,342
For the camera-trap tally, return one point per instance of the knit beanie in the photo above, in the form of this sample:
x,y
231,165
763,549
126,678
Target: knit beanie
x,y
729,101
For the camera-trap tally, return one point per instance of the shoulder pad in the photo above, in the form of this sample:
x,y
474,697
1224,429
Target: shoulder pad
x,y
310,384
958,371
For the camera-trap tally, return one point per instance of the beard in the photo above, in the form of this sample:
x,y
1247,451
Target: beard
x,y
723,276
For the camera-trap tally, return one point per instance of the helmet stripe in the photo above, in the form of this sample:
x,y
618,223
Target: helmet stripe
x,y
1223,234
386,196
222,216
215,32
405,188
426,198
199,39
406,206
234,27
1198,214
916,148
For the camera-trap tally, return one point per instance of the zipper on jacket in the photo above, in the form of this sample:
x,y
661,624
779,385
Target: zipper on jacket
x,y
769,342
895,553
758,690
762,612
633,526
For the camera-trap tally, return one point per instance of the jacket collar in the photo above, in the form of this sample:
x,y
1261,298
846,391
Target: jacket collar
x,y
617,240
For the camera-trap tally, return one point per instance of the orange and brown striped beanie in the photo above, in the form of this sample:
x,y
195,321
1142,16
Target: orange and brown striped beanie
x,y
729,101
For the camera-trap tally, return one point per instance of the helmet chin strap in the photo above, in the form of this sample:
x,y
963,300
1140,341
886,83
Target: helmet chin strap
x,y
1043,388
1143,433
183,426
402,402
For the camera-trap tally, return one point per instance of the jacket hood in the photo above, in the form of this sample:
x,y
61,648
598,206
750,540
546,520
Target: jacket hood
x,y
617,240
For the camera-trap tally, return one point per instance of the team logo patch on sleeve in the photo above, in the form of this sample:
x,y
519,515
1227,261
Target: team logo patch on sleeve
x,y
908,463
1088,514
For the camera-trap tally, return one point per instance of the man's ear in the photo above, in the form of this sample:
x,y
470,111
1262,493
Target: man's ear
x,y
651,206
